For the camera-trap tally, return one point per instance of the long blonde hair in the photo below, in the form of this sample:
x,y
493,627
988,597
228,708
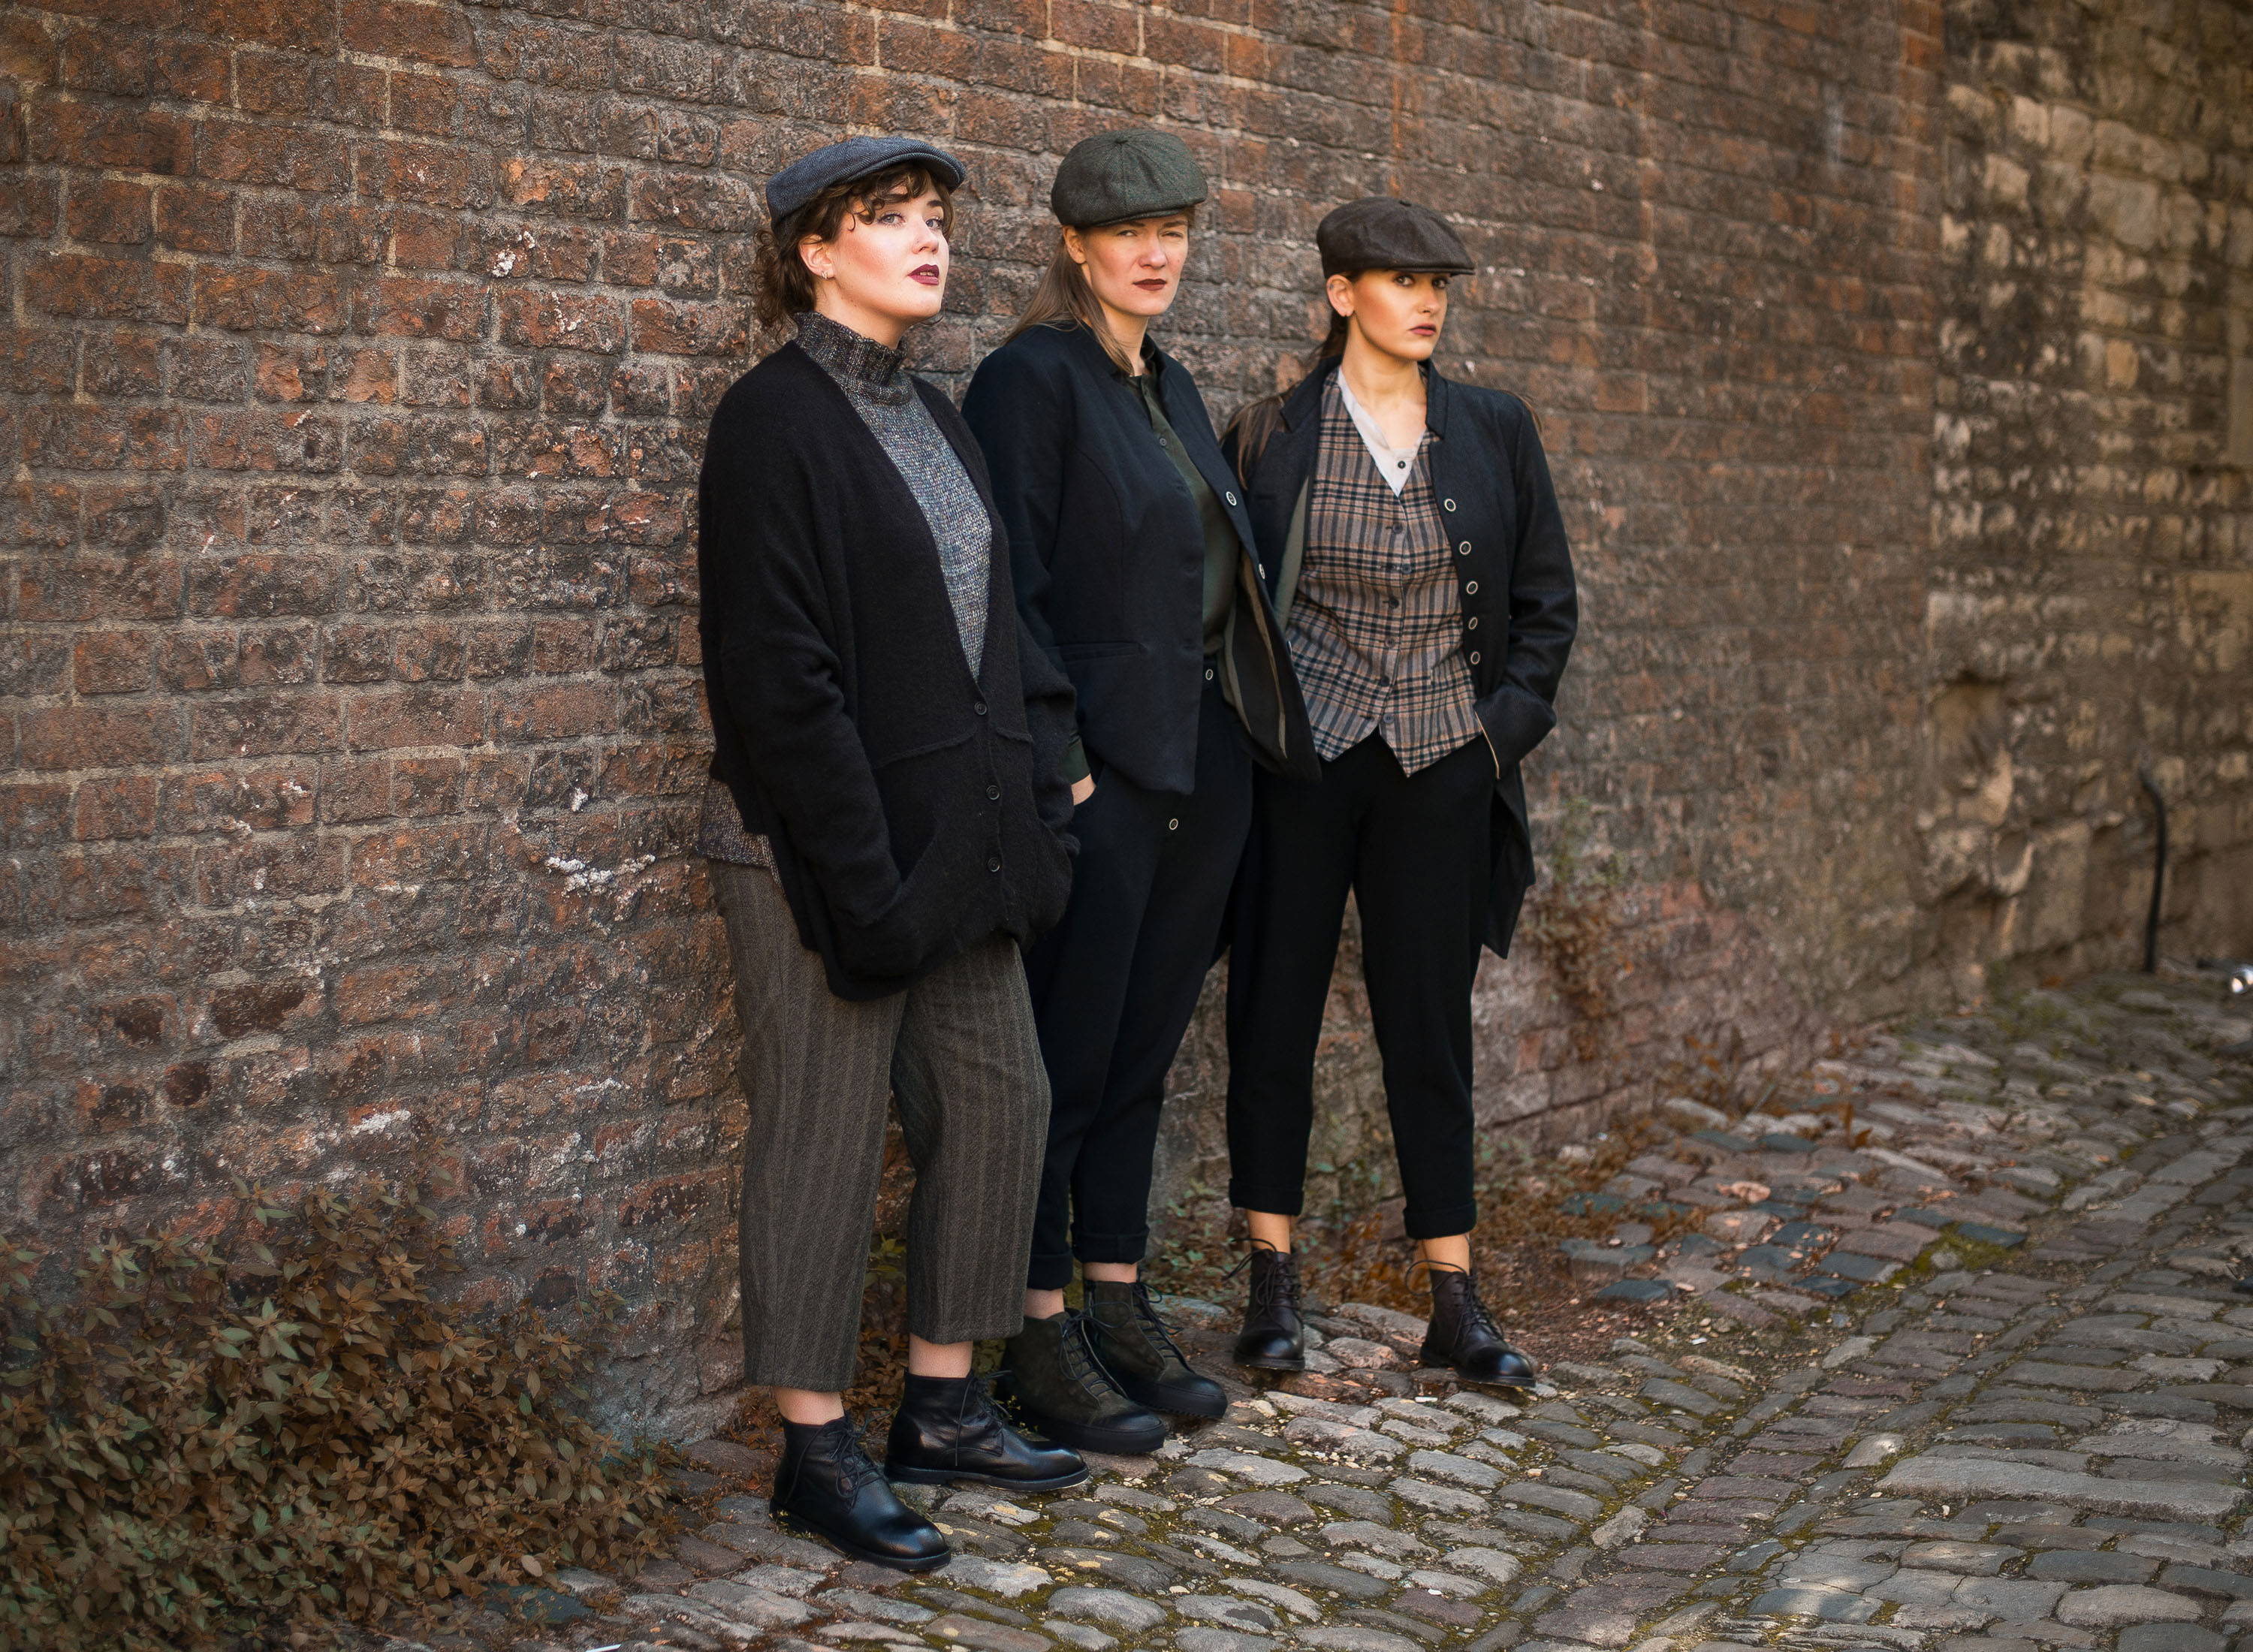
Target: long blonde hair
x,y
1064,299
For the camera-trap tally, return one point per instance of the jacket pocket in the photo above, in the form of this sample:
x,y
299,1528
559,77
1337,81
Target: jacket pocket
x,y
901,938
1514,722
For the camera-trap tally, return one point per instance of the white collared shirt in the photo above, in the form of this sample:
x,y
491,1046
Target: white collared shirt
x,y
1392,463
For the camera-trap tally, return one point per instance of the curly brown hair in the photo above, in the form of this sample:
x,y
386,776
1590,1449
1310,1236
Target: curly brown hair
x,y
785,285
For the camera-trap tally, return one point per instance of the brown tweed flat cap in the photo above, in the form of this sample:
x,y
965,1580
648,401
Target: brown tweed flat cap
x,y
1380,233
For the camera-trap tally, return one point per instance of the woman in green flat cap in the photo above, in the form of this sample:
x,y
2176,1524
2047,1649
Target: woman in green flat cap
x,y
1132,557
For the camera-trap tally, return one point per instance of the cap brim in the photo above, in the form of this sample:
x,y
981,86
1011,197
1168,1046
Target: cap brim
x,y
949,170
1140,212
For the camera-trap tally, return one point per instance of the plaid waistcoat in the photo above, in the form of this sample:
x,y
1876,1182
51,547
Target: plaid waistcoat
x,y
1376,627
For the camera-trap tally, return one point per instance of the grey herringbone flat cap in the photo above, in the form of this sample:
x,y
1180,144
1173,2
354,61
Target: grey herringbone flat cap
x,y
1380,233
1116,175
809,175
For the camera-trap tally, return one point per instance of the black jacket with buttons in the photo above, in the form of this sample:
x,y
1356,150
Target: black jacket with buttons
x,y
914,810
1514,568
1108,553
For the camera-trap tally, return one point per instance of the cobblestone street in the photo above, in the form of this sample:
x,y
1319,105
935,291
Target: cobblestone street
x,y
1962,1372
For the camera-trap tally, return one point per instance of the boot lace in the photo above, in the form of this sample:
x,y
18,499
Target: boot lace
x,y
1473,1315
854,1470
1154,1329
1076,1344
1271,1288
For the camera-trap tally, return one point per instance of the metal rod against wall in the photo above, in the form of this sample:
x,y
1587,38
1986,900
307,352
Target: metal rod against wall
x,y
2158,867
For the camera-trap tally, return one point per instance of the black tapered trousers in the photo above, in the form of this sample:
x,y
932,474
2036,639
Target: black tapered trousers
x,y
1415,852
1115,985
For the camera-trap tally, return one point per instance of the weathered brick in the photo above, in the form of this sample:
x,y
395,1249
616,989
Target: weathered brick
x,y
272,301
415,717
250,152
560,320
107,209
90,438
423,309
684,327
73,133
193,219
80,736
108,288
112,662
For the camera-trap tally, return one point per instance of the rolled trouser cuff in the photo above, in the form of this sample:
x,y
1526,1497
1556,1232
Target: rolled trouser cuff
x,y
1442,1221
1274,1198
1111,1247
1050,1271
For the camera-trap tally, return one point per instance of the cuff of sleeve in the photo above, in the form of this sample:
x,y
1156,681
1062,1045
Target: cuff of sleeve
x,y
1515,722
1075,762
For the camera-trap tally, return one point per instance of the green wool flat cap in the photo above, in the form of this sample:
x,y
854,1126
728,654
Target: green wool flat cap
x,y
1381,233
1116,175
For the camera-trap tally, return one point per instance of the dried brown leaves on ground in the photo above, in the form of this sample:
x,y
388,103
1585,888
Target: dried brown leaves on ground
x,y
200,1438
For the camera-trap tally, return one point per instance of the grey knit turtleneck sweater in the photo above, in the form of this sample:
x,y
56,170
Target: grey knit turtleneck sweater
x,y
874,378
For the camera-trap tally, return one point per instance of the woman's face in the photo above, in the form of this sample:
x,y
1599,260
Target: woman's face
x,y
1400,311
1134,268
882,275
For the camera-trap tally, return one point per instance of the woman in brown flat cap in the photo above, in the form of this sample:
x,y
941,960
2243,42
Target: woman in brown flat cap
x,y
1411,541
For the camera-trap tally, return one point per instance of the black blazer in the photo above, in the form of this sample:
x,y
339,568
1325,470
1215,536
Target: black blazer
x,y
1514,570
913,811
1108,553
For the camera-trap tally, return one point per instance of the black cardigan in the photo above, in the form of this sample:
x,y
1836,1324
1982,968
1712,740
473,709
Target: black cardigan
x,y
1514,571
1108,552
913,811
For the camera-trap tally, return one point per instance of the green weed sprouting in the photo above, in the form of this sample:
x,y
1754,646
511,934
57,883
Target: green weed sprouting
x,y
201,1438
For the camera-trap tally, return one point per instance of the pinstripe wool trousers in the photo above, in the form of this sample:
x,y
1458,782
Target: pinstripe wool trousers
x,y
958,1055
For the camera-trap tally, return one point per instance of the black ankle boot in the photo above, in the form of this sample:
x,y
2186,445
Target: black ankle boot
x,y
1141,1354
946,1428
825,1482
1462,1335
1056,1381
1273,1339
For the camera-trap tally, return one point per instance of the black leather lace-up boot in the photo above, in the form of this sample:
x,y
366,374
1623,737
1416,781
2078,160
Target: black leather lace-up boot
x,y
1052,1376
948,1428
1462,1335
1274,1338
825,1483
1141,1353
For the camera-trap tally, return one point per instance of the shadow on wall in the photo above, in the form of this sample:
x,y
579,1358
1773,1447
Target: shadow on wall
x,y
1613,987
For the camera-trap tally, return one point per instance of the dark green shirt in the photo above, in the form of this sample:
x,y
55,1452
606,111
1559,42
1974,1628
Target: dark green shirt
x,y
1220,550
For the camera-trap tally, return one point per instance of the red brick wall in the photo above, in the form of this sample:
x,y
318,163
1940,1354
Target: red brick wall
x,y
356,359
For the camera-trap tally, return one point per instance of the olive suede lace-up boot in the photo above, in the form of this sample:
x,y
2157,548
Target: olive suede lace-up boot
x,y
948,1428
1462,1335
825,1483
1274,1338
1141,1353
1052,1376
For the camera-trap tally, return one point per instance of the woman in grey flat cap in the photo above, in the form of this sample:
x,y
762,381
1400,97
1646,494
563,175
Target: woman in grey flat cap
x,y
1411,537
1133,571
886,826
